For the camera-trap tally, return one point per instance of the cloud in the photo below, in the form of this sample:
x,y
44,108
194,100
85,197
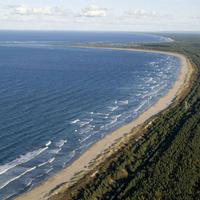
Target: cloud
x,y
28,10
141,14
196,17
93,11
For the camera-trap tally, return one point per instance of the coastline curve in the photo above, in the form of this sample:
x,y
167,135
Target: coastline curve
x,y
83,163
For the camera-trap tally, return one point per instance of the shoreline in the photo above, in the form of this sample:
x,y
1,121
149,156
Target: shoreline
x,y
61,180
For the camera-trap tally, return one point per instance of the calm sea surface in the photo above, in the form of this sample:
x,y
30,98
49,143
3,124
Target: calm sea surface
x,y
56,101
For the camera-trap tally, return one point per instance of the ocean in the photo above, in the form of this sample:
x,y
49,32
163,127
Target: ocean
x,y
56,100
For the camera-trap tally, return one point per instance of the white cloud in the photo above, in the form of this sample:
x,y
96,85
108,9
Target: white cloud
x,y
93,11
141,13
28,16
37,11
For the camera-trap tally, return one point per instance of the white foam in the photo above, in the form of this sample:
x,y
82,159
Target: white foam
x,y
140,106
55,151
113,121
17,177
22,159
102,114
84,139
86,129
61,143
113,108
149,80
83,123
29,183
152,63
102,127
75,121
49,170
85,145
154,92
125,102
42,164
154,86
71,155
48,143
115,118
145,92
51,160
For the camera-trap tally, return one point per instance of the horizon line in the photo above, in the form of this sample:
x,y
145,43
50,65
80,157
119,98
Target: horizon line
x,y
71,30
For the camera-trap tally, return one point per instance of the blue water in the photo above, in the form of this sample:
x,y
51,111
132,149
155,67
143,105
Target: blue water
x,y
70,38
56,101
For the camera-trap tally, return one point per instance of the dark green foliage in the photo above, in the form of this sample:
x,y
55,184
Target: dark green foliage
x,y
165,163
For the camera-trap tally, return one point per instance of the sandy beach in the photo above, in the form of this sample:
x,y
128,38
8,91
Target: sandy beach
x,y
83,163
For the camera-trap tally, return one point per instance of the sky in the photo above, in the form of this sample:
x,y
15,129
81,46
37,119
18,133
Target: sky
x,y
100,15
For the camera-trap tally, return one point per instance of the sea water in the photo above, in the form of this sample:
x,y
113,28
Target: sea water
x,y
56,101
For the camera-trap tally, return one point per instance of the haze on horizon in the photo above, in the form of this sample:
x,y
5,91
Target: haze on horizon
x,y
100,15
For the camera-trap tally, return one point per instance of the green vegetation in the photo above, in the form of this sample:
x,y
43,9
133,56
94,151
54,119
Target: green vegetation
x,y
165,162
